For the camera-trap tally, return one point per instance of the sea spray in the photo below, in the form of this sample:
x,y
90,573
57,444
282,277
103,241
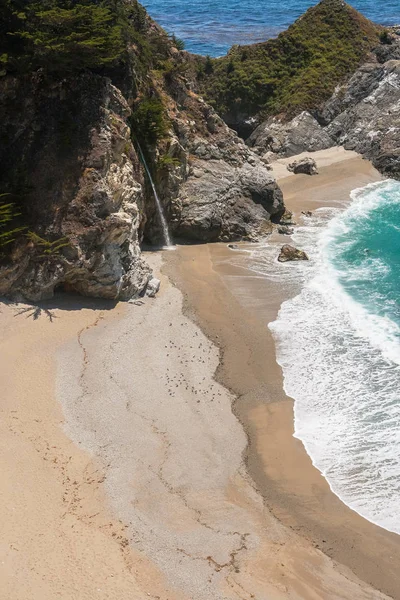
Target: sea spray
x,y
338,343
163,220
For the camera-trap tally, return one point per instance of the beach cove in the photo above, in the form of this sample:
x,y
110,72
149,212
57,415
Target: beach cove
x,y
159,436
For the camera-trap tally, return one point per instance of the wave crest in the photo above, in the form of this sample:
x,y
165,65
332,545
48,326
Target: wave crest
x,y
341,365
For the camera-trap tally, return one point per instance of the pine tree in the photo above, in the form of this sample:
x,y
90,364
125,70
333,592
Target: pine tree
x,y
66,35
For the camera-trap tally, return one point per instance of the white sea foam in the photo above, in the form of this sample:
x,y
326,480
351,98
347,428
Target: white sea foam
x,y
341,366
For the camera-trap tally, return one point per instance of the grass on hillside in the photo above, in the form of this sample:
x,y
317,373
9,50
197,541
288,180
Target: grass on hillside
x,y
296,71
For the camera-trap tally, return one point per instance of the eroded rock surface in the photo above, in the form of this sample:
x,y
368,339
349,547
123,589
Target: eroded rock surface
x,y
306,165
276,138
290,253
68,161
365,115
222,190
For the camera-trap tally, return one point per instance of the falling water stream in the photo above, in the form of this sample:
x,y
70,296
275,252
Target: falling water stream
x,y
163,220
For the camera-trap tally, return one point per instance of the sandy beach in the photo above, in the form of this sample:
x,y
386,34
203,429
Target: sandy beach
x,y
147,447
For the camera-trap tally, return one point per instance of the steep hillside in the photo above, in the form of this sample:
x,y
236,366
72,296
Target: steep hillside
x,y
296,71
82,85
363,114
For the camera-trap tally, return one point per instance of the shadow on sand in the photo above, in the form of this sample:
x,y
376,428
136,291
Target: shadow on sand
x,y
61,302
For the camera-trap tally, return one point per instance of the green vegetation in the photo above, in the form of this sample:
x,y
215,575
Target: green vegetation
x,y
297,70
149,123
60,35
385,38
177,42
71,35
9,227
168,161
46,247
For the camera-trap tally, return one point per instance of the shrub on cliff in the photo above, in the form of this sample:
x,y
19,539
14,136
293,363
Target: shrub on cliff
x,y
148,122
9,222
65,35
295,71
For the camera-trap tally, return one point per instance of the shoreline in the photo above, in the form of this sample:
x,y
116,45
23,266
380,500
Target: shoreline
x,y
292,487
180,478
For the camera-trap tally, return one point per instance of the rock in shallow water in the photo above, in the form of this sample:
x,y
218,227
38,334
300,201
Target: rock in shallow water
x,y
286,218
285,230
289,253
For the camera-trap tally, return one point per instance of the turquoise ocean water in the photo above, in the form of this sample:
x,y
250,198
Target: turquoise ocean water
x,y
213,26
338,343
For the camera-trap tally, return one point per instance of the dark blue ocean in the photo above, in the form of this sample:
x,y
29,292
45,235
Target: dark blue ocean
x,y
213,26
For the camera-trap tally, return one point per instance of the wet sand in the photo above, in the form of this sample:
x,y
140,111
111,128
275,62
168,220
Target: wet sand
x,y
233,306
128,475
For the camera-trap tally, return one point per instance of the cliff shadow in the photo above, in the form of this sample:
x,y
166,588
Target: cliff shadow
x,y
61,301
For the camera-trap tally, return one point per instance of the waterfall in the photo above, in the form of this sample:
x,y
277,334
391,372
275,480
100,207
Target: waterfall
x,y
163,220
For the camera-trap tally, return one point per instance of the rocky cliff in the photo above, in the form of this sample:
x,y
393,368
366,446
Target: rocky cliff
x,y
220,190
363,114
295,72
68,162
70,174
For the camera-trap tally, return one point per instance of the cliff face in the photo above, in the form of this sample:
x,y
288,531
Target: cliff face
x,y
362,114
71,172
277,137
69,164
221,190
365,114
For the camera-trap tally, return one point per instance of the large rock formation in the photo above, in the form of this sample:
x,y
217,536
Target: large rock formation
x,y
289,253
67,160
294,72
365,115
276,137
362,115
306,166
226,192
69,166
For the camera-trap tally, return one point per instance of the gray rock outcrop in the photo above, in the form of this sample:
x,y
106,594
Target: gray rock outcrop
x,y
365,115
277,138
286,218
290,253
362,115
222,190
306,166
153,287
285,230
67,159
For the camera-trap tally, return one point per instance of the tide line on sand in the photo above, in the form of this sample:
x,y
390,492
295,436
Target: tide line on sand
x,y
163,491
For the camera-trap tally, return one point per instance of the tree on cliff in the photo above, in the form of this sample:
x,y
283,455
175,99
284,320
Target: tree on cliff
x,y
65,35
